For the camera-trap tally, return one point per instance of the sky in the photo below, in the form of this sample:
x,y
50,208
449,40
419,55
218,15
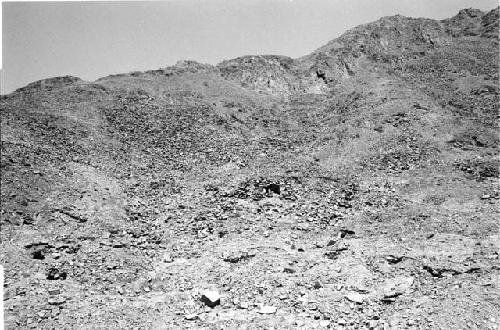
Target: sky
x,y
94,39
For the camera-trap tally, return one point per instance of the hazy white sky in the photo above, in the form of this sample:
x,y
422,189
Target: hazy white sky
x,y
94,39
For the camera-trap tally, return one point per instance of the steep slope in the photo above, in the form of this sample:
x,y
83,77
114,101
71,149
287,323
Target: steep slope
x,y
353,187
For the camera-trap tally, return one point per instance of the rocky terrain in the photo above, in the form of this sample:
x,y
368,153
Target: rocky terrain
x,y
355,187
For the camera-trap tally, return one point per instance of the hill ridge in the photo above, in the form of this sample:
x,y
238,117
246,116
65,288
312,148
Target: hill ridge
x,y
473,21
356,187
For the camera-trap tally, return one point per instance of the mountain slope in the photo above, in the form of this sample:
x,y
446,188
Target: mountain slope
x,y
353,187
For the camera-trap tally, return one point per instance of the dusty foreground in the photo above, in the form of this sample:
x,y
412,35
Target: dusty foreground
x,y
356,187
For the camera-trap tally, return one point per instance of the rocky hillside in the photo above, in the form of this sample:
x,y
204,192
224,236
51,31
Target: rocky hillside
x,y
355,187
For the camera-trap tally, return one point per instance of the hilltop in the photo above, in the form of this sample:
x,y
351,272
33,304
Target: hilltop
x,y
355,187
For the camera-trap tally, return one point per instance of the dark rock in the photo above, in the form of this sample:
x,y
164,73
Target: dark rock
x,y
334,254
273,187
56,300
39,254
56,274
54,292
345,232
210,298
394,259
440,272
238,257
331,242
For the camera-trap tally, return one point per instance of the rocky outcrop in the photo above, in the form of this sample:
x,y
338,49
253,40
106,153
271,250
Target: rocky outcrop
x,y
269,74
50,83
489,24
389,40
200,196
473,22
386,40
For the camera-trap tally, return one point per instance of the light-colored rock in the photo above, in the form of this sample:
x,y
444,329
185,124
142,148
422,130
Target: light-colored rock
x,y
355,297
267,310
324,323
167,258
372,324
358,276
397,286
211,298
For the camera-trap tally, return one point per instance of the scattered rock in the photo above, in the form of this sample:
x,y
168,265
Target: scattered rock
x,y
357,278
274,188
56,274
267,310
39,250
355,297
54,292
394,259
335,253
39,254
237,257
397,286
324,323
344,232
167,257
372,324
56,300
124,163
440,271
331,242
211,298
